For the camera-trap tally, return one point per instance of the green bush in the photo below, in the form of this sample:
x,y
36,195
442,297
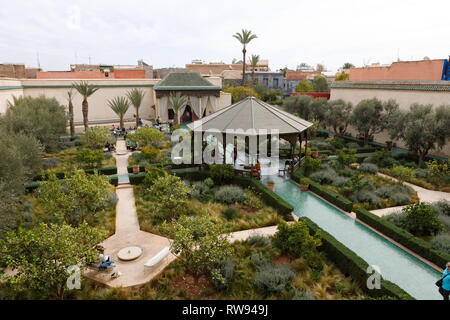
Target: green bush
x,y
273,279
259,240
368,168
351,264
96,138
137,178
419,246
221,173
400,199
326,176
114,181
89,158
340,182
421,219
230,213
441,242
364,196
151,176
442,207
230,195
226,270
398,219
331,196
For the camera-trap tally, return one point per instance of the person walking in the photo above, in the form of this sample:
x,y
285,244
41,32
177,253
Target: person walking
x,y
444,283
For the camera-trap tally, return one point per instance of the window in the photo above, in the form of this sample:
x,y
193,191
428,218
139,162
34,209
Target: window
x,y
266,81
275,83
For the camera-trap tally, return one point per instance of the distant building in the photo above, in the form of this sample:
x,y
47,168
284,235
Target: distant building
x,y
12,70
428,70
271,80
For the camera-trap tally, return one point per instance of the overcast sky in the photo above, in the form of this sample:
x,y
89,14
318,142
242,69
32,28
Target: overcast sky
x,y
172,33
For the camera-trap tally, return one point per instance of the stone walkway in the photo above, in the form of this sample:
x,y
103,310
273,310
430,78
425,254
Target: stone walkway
x,y
424,195
128,234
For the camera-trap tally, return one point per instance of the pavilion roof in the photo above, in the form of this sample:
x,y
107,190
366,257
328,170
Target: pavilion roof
x,y
184,81
251,113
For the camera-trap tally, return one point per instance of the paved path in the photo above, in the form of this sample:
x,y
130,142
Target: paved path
x,y
128,234
424,195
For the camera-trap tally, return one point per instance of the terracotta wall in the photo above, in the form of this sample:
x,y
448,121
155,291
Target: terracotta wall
x,y
94,74
403,70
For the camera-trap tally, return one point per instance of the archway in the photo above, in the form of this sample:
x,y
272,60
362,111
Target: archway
x,y
187,115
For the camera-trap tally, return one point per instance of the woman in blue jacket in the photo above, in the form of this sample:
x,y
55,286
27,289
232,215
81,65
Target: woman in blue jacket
x,y
445,288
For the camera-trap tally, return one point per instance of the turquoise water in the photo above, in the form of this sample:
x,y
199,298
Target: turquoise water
x,y
396,265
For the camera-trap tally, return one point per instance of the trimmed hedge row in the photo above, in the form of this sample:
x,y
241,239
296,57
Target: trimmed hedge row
x,y
352,264
30,187
136,178
62,174
324,192
158,165
419,246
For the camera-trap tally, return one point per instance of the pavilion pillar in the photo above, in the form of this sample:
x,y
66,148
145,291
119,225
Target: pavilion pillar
x,y
306,142
300,142
200,107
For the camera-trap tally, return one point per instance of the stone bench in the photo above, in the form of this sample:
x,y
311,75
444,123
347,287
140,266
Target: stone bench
x,y
157,258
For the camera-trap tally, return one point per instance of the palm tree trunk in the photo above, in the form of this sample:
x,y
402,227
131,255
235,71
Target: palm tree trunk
x,y
84,109
72,125
121,121
137,118
243,67
176,118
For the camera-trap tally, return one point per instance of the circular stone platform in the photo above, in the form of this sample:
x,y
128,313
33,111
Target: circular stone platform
x,y
129,253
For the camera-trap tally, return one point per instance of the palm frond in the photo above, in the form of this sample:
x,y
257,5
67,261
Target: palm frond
x,y
177,101
136,96
119,105
85,88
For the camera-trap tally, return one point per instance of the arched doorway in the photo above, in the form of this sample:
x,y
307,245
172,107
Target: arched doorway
x,y
187,115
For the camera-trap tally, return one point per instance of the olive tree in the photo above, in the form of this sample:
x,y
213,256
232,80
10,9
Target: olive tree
x,y
422,128
42,257
95,138
338,116
320,84
371,116
201,246
300,105
41,117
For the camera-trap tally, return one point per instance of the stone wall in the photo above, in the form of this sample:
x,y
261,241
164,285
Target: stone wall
x,y
12,71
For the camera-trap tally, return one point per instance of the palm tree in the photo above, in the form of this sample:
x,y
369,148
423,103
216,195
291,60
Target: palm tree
x,y
86,90
244,38
69,98
120,106
136,96
254,63
177,102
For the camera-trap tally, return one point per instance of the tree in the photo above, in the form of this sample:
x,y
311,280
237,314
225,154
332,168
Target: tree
x,y
76,199
303,66
320,68
338,116
300,105
347,65
177,102
120,106
421,128
240,93
254,63
71,123
89,158
320,84
169,194
342,76
421,219
96,138
303,86
41,117
319,108
136,96
41,257
201,246
295,239
85,90
371,116
147,137
244,38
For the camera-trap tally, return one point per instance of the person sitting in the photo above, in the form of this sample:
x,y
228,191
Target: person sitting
x,y
295,160
158,121
128,144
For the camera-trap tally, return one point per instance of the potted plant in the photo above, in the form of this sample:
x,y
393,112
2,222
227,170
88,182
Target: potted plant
x,y
270,184
389,145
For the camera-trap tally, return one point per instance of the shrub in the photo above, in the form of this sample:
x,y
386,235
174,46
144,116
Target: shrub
x,y
89,158
352,145
230,195
364,196
295,239
208,182
107,155
383,192
221,173
96,138
230,213
421,173
226,271
200,191
50,163
445,220
388,162
400,199
147,137
441,242
398,219
370,160
340,182
273,279
402,173
442,207
421,219
259,240
149,153
324,176
152,175
338,143
368,168
402,189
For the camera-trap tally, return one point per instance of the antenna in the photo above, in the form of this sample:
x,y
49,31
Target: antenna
x,y
38,61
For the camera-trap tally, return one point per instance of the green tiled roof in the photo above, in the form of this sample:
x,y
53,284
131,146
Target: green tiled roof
x,y
184,81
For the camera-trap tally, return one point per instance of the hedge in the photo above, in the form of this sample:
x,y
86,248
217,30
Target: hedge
x,y
30,187
158,165
324,192
136,178
417,245
62,174
352,264
114,181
